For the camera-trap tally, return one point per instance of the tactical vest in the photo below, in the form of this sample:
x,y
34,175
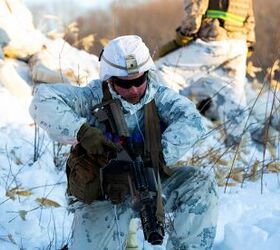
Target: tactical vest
x,y
152,144
83,170
231,13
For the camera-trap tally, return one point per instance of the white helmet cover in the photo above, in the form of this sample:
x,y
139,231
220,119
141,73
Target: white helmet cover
x,y
123,56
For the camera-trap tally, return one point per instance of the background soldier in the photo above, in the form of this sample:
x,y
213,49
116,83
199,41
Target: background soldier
x,y
216,37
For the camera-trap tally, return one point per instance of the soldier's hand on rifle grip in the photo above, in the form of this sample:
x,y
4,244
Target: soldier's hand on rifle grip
x,y
93,140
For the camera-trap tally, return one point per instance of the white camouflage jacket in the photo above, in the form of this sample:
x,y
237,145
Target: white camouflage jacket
x,y
61,109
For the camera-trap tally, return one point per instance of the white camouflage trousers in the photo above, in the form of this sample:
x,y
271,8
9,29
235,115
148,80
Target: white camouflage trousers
x,y
212,71
191,196
224,59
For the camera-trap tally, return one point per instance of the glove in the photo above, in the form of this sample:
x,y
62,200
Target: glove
x,y
251,49
94,142
182,40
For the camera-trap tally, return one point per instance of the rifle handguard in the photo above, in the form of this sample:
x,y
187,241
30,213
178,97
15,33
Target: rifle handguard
x,y
166,49
172,45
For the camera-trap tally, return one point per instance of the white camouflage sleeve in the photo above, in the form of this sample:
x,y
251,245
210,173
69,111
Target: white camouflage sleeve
x,y
184,124
61,109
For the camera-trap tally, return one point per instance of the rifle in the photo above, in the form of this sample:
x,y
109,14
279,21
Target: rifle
x,y
178,42
129,174
121,177
144,197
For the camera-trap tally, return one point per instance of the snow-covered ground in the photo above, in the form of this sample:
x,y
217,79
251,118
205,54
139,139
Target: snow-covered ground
x,y
33,207
27,220
247,220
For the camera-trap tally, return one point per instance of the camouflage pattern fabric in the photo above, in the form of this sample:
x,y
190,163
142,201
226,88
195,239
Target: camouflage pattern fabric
x,y
214,70
191,198
61,109
224,59
210,29
225,105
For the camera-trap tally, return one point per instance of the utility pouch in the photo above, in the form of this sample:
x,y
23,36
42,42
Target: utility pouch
x,y
83,174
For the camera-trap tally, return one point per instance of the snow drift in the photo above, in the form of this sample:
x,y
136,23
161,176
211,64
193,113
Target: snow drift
x,y
34,212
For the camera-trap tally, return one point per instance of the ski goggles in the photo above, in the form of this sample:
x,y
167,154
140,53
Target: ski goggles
x,y
126,84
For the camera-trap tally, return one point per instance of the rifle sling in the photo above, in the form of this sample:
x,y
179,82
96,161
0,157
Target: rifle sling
x,y
106,93
152,145
153,150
